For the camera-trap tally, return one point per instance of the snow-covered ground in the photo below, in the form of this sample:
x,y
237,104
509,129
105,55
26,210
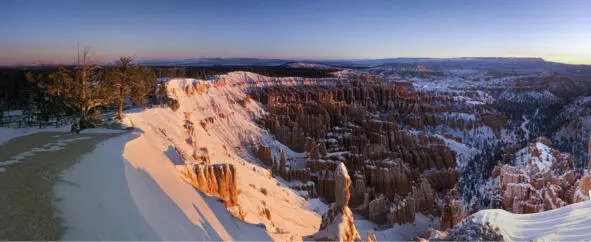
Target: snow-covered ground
x,y
524,126
121,197
464,154
7,134
570,223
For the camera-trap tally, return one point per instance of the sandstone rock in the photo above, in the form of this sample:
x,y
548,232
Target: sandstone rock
x,y
342,184
582,189
237,212
264,154
370,237
326,185
358,189
378,209
337,223
531,187
452,213
216,180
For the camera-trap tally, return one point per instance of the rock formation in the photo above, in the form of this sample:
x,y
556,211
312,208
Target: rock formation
x,y
452,211
582,190
539,179
215,180
264,154
337,223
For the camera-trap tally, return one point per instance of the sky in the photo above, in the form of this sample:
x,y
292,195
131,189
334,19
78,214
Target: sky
x,y
49,31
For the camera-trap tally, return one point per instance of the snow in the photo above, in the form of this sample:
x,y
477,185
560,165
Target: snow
x,y
464,154
309,65
6,134
398,232
130,189
523,126
543,162
316,205
59,145
116,199
10,133
341,171
569,223
543,97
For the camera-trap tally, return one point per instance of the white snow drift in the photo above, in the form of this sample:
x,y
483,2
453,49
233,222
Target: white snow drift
x,y
570,223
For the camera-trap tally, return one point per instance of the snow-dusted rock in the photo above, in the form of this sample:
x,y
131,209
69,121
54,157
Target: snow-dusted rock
x,y
337,223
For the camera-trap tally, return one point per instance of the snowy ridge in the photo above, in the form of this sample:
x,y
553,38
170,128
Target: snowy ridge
x,y
148,163
309,65
544,97
249,79
570,223
542,161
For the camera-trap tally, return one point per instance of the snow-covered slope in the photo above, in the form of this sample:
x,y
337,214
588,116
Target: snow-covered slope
x,y
532,97
570,223
309,65
145,171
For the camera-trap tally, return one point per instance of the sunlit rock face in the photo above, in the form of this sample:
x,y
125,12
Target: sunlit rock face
x,y
217,180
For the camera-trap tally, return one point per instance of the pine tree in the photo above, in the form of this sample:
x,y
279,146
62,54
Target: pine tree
x,y
130,80
81,87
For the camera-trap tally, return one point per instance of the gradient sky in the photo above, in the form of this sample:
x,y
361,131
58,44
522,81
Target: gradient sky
x,y
48,31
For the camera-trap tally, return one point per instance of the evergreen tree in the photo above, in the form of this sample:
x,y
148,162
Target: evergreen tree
x,y
130,80
81,88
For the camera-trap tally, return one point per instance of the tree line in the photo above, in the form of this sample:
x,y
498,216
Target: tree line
x,y
78,91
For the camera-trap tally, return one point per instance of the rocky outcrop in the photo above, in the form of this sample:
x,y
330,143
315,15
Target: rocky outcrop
x,y
308,187
390,177
401,210
582,190
452,211
215,180
538,179
370,237
264,154
468,231
337,223
326,185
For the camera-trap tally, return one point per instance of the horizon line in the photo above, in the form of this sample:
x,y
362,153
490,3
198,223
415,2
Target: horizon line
x,y
36,63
